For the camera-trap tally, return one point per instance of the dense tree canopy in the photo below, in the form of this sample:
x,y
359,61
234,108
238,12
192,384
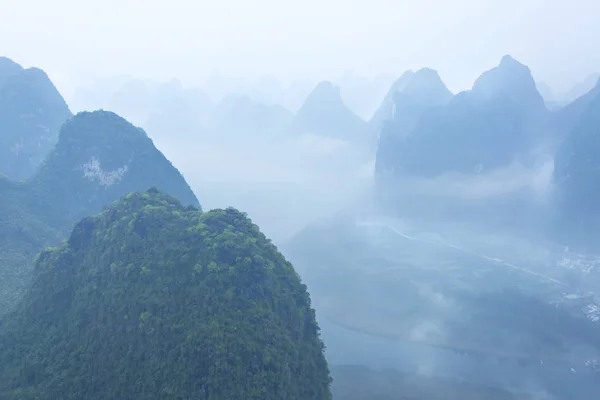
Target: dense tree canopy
x,y
153,300
99,157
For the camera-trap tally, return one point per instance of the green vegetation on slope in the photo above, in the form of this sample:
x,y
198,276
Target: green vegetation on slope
x,y
99,157
152,300
22,236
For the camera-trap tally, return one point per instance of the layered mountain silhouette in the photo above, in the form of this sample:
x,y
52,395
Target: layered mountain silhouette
x,y
564,120
513,80
490,126
133,99
581,88
31,113
150,300
98,158
185,115
546,92
267,90
325,114
146,296
412,95
361,94
8,68
295,94
385,111
239,115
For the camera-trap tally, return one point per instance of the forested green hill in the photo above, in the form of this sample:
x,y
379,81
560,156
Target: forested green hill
x,y
151,300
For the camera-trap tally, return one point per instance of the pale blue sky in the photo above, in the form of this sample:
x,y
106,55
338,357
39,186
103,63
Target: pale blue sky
x,y
77,39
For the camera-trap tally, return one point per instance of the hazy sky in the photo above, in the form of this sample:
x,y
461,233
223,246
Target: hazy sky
x,y
75,40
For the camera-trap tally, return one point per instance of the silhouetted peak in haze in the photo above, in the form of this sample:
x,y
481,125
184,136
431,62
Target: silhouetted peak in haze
x,y
512,79
425,85
564,120
385,110
6,62
581,88
424,92
477,131
31,113
98,157
185,104
363,95
409,96
198,99
8,68
240,116
423,78
398,85
545,91
593,92
508,60
269,88
133,99
324,113
35,85
326,93
233,100
592,79
185,114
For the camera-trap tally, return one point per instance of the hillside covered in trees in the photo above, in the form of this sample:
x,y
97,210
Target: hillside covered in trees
x,y
150,300
99,157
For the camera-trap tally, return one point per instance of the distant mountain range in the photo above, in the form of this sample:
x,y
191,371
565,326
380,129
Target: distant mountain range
x,y
98,158
501,122
477,130
145,295
149,296
324,113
